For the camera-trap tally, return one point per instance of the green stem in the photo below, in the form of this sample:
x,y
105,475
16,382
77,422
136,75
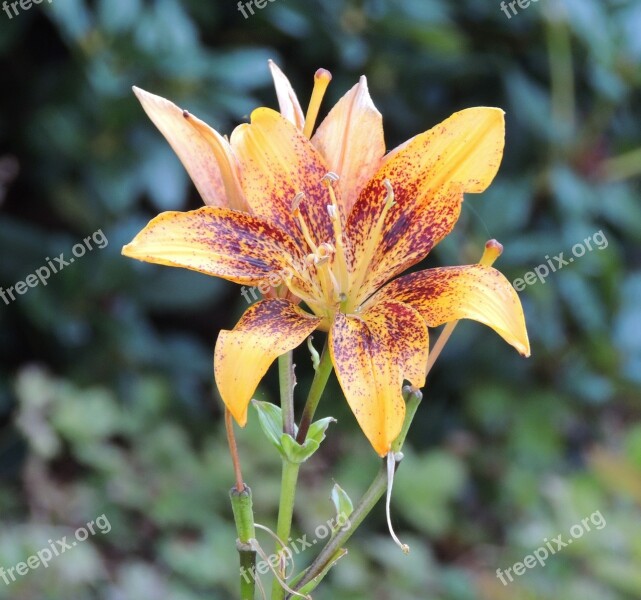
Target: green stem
x,y
316,390
369,500
241,503
413,399
363,508
285,514
286,380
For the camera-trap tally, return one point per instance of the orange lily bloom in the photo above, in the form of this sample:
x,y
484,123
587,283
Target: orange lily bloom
x,y
336,218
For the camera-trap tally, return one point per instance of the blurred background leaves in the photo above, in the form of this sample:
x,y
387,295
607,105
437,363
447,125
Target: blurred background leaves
x,y
106,396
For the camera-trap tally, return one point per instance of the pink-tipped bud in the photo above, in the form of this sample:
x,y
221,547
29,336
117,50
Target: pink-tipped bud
x,y
493,249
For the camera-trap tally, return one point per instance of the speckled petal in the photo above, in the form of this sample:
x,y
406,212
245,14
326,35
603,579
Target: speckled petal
x,y
242,356
352,142
467,292
429,175
287,100
372,354
205,154
216,241
277,162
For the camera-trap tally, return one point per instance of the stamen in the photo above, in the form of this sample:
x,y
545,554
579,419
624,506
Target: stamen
x,y
296,202
325,250
372,242
321,81
493,249
335,216
392,459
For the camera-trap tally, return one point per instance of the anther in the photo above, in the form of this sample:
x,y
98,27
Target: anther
x,y
330,178
389,199
298,198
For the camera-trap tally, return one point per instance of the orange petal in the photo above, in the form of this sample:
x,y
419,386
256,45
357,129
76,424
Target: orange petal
x,y
205,154
469,292
372,354
268,329
429,175
287,100
277,162
216,241
351,141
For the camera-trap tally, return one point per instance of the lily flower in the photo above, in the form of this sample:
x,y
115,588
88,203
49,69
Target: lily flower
x,y
341,219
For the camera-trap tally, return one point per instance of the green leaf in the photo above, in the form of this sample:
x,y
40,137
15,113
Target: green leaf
x,y
297,453
270,418
342,504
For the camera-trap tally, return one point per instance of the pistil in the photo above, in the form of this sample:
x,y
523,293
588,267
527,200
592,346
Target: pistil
x,y
321,81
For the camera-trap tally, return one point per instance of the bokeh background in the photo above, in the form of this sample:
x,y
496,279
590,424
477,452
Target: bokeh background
x,y
106,395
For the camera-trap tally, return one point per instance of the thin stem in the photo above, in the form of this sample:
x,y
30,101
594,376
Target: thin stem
x,y
371,497
233,449
285,514
363,508
286,380
315,392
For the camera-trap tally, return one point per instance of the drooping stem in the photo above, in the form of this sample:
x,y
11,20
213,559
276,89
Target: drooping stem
x,y
316,390
369,500
285,514
286,380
